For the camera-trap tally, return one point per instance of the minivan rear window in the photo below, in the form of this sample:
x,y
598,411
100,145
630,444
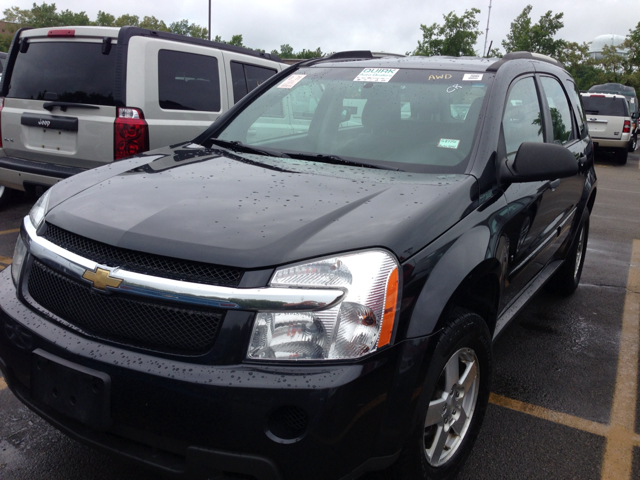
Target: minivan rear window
x,y
614,107
187,81
64,71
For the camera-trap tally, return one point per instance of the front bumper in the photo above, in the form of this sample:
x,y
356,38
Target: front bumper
x,y
192,420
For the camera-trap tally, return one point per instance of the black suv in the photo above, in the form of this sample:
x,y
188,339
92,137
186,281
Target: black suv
x,y
311,288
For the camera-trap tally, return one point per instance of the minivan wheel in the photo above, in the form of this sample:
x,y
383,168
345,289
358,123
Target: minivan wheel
x,y
566,279
457,391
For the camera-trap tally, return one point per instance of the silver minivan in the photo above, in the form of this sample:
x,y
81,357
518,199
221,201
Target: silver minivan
x,y
79,97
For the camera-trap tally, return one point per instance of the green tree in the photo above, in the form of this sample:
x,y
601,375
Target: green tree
x,y
455,37
67,17
17,15
579,64
104,19
539,38
236,40
152,23
183,27
124,20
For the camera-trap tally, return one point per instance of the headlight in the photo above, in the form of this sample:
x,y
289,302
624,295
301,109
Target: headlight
x,y
360,324
18,259
39,210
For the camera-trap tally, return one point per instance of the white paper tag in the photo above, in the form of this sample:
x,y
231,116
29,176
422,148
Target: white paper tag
x,y
472,77
291,81
633,100
448,143
382,75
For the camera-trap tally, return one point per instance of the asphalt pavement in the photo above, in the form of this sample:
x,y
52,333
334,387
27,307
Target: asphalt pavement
x,y
565,387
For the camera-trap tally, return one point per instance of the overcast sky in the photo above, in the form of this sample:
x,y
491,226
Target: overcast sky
x,y
377,25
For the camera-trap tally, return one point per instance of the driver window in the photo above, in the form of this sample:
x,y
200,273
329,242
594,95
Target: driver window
x,y
522,118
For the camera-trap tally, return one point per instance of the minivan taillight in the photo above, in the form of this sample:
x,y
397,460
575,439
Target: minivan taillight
x,y
131,133
1,105
627,127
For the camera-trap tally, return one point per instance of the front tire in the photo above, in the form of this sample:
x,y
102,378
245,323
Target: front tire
x,y
458,386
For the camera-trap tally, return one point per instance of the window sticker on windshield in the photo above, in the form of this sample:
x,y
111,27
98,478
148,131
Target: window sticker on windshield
x,y
291,81
381,75
633,100
472,77
448,143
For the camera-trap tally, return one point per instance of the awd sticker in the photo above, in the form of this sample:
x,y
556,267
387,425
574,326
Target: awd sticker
x,y
291,81
448,143
472,77
380,75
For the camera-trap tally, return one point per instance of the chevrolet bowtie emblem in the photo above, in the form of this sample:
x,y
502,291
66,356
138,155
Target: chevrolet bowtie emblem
x,y
101,279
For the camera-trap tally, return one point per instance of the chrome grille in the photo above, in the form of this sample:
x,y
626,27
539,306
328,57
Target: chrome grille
x,y
140,262
121,319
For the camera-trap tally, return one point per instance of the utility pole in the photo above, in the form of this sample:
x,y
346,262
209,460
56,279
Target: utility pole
x,y
486,34
209,20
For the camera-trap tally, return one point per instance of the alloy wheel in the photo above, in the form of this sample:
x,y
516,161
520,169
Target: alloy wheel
x,y
452,406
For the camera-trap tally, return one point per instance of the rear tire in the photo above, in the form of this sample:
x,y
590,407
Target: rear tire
x,y
621,156
6,194
567,278
457,391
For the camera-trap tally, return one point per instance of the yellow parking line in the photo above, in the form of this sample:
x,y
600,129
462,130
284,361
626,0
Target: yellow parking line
x,y
618,456
546,414
5,260
5,232
3,384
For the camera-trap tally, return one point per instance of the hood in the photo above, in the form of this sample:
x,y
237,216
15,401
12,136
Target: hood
x,y
254,211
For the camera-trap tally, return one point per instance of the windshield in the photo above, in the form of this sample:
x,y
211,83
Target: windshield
x,y
408,119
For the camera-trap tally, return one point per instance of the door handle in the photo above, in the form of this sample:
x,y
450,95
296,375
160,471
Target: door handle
x,y
554,184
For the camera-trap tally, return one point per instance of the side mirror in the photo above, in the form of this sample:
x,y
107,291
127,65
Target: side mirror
x,y
536,162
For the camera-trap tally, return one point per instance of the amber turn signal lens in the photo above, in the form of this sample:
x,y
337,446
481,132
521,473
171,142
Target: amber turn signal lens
x,y
391,300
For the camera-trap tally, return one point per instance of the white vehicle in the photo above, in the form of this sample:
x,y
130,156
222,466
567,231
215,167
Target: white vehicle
x,y
609,122
80,97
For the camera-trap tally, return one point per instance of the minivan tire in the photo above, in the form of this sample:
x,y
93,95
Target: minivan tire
x,y
465,345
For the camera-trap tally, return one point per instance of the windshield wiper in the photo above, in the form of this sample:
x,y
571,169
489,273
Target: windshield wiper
x,y
335,159
240,147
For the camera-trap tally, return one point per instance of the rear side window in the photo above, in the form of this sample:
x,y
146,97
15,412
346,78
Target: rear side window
x,y
247,77
187,81
615,107
64,71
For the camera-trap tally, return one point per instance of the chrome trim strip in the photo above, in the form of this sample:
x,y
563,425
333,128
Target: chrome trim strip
x,y
266,299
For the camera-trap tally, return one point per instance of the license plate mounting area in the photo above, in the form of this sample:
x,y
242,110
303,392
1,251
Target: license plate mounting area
x,y
76,391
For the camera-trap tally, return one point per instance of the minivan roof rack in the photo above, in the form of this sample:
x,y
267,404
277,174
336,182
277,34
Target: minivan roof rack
x,y
523,55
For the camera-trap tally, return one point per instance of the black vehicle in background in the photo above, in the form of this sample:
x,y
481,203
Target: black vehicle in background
x,y
632,99
311,288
